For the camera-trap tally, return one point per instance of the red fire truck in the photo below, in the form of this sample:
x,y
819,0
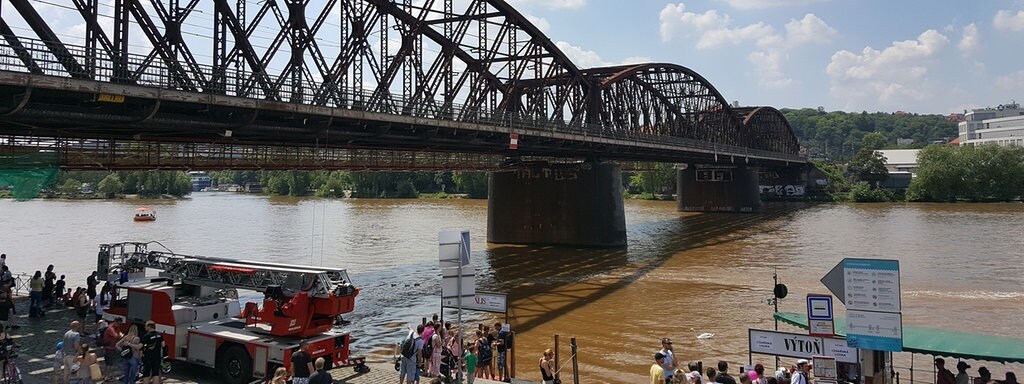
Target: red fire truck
x,y
194,302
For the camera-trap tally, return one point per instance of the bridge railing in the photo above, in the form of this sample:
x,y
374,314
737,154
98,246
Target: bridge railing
x,y
153,71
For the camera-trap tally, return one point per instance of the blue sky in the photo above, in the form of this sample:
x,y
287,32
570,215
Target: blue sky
x,y
916,56
894,55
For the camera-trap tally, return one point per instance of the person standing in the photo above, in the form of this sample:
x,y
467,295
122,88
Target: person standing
x,y
483,345
132,344
984,376
501,344
321,376
657,369
470,359
302,364
712,375
48,284
723,373
435,352
761,379
91,283
35,294
410,356
800,376
547,367
111,354
670,364
71,347
944,375
152,354
961,374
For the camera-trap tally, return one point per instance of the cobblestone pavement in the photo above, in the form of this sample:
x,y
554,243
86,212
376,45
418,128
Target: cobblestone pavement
x,y
37,339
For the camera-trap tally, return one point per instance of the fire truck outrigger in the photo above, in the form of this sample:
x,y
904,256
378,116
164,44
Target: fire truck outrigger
x,y
194,302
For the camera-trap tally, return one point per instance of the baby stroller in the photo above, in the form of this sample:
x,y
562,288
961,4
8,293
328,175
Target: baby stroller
x,y
449,365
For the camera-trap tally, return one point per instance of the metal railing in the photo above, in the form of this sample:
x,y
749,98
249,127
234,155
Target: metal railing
x,y
156,73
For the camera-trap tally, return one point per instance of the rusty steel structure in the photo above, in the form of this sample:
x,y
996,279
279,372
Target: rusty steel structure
x,y
427,76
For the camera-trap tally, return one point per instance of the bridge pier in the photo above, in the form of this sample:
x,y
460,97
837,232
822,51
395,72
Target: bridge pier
x,y
564,204
718,188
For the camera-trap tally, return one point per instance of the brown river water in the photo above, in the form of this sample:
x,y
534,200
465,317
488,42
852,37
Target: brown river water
x,y
682,274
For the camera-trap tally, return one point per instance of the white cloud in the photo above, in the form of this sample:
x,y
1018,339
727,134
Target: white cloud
x,y
1008,21
970,41
590,59
768,66
674,19
764,4
712,29
1011,82
891,77
553,4
810,29
760,33
540,22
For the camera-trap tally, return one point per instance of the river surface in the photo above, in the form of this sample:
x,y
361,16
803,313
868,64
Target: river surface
x,y
682,274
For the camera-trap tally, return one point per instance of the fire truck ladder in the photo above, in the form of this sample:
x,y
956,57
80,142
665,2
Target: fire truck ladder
x,y
221,272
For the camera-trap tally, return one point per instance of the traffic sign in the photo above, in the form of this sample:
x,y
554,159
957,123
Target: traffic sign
x,y
453,248
819,315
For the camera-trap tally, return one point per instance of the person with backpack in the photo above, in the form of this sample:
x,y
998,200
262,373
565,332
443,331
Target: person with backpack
x,y
503,344
483,346
412,350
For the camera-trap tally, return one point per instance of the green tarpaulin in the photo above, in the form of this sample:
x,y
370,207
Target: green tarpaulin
x,y
939,342
28,173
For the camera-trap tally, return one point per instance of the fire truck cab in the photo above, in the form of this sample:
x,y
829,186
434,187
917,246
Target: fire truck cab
x,y
194,303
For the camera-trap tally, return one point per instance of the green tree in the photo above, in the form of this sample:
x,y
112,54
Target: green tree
x,y
110,185
869,166
71,187
973,173
661,179
938,178
874,141
473,184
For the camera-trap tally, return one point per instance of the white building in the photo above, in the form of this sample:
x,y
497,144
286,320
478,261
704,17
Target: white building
x,y
901,164
1003,125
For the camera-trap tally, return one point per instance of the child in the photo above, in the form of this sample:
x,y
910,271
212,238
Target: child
x,y
470,362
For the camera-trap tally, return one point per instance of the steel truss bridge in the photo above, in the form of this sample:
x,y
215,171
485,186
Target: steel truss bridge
x,y
329,84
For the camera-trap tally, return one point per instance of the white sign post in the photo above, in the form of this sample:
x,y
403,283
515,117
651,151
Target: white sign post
x,y
870,289
453,257
800,346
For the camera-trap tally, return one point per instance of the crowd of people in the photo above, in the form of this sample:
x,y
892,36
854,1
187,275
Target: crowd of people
x,y
666,370
430,351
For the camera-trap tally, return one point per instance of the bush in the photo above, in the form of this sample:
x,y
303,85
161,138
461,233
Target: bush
x,y
862,192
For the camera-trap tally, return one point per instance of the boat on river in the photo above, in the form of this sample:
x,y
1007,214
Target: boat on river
x,y
145,214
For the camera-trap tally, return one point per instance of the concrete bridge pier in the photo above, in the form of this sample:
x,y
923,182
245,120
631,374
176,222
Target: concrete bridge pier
x,y
564,204
718,188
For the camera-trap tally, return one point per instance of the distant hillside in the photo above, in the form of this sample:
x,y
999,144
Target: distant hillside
x,y
839,135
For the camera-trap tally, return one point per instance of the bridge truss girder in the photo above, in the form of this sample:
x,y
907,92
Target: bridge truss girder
x,y
424,59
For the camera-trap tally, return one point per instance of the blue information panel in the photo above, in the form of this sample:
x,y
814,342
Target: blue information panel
x,y
879,331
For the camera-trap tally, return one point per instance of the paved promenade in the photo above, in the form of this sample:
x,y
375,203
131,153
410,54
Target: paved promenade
x,y
38,338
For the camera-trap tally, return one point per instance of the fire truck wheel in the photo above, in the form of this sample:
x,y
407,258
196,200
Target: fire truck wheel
x,y
235,365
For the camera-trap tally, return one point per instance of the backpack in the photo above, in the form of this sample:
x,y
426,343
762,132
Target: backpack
x,y
101,340
409,347
428,346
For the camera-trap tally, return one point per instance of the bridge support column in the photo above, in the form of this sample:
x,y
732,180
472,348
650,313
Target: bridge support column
x,y
566,204
716,188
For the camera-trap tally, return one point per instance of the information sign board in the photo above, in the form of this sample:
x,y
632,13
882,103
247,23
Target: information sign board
x,y
482,301
800,346
879,331
872,285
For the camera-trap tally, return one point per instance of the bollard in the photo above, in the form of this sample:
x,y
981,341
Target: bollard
x,y
575,365
556,357
512,356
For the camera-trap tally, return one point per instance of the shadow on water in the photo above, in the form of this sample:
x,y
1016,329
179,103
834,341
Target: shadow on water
x,y
545,282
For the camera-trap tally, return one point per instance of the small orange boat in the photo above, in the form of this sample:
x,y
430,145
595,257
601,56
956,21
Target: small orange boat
x,y
145,214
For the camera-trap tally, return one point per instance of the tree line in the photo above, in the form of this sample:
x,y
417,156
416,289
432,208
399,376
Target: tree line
x,y
944,174
839,136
